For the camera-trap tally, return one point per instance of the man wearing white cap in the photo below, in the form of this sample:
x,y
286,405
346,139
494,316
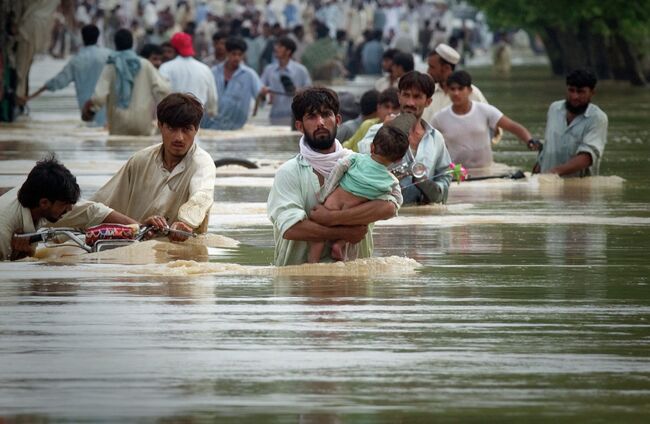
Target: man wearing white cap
x,y
442,62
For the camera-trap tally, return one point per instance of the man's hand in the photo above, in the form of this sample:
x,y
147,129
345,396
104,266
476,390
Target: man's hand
x,y
355,233
323,216
21,100
21,248
182,227
87,114
158,222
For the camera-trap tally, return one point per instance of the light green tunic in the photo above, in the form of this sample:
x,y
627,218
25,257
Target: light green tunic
x,y
292,196
367,178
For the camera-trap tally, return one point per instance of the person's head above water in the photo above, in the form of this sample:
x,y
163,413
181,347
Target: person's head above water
x,y
316,110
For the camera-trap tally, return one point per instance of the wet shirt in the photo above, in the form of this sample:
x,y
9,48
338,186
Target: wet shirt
x,y
84,70
441,100
138,118
234,97
293,195
281,104
431,152
15,218
468,136
587,133
143,187
188,75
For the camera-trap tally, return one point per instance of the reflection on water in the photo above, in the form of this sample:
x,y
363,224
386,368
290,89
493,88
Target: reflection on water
x,y
519,299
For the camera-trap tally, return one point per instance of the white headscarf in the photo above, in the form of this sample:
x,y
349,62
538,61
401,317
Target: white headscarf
x,y
323,163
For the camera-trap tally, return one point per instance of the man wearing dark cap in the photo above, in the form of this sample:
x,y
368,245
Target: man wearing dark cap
x,y
427,150
442,62
576,131
188,75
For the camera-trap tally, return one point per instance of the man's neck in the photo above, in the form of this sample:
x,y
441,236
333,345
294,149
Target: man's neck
x,y
415,135
36,215
284,62
462,108
169,161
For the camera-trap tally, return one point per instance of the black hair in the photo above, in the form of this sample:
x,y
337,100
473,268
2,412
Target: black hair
x,y
368,102
389,54
89,34
180,110
123,39
389,95
581,78
314,99
287,43
462,78
405,60
391,143
150,49
417,80
50,180
219,35
236,43
322,30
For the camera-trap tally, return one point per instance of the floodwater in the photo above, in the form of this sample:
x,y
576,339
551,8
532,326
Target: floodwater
x,y
522,300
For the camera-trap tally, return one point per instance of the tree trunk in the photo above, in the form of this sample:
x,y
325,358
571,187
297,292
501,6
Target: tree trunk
x,y
553,49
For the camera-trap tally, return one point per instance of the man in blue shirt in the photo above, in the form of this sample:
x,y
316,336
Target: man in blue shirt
x,y
576,131
237,86
84,69
274,75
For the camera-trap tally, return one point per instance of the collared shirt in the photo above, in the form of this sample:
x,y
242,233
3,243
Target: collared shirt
x,y
138,118
281,104
431,152
143,187
84,69
234,97
291,198
441,100
15,218
188,75
587,133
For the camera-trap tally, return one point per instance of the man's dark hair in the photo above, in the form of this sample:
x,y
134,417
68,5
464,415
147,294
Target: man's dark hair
x,y
462,78
236,43
150,49
418,81
391,143
322,30
180,110
389,95
581,78
405,60
50,180
89,34
389,54
287,43
219,35
368,102
123,39
441,59
314,99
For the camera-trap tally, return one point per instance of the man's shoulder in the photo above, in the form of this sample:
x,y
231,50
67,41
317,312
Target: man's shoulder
x,y
596,112
146,153
291,166
201,157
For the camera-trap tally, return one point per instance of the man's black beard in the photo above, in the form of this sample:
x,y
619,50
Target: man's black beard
x,y
320,143
576,110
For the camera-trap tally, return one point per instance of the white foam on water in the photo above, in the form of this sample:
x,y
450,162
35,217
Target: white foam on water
x,y
392,265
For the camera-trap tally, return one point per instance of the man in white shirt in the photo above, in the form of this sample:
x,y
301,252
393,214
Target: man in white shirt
x,y
442,62
466,125
188,75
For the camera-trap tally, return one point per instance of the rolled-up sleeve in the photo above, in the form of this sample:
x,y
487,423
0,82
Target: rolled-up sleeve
x,y
595,138
201,198
285,205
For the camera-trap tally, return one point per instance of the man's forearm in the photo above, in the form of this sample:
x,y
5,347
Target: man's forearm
x,y
308,230
117,218
363,214
575,164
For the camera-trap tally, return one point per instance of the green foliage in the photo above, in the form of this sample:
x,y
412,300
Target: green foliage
x,y
631,19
